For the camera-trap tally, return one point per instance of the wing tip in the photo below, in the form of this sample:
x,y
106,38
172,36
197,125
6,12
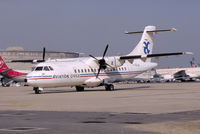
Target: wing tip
x,y
173,29
187,53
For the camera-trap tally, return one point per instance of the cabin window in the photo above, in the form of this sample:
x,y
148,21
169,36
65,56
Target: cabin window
x,y
119,69
78,71
46,68
82,70
91,70
94,70
75,71
38,68
88,70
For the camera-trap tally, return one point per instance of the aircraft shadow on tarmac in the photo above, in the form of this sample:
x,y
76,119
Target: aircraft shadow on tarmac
x,y
53,91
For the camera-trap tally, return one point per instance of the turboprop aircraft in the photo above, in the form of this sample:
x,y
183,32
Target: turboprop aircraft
x,y
97,71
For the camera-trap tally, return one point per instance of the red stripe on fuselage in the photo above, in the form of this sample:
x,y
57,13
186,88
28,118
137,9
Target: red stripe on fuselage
x,y
37,78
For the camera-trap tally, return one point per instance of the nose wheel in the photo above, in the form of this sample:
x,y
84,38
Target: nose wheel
x,y
37,90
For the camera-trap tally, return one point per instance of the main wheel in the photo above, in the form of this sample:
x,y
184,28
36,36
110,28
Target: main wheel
x,y
112,87
79,88
109,87
37,91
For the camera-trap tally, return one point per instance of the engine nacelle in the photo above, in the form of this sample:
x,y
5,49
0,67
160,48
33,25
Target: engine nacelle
x,y
93,82
114,61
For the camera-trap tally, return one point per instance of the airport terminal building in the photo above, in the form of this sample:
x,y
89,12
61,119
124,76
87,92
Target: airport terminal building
x,y
18,53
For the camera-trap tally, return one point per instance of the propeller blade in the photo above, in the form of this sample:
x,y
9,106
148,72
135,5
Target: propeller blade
x,y
105,51
98,72
102,62
108,65
93,57
44,51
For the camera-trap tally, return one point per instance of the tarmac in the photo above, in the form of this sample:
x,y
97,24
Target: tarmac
x,y
155,108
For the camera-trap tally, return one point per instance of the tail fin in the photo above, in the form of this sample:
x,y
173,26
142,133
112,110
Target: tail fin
x,y
3,66
145,46
193,63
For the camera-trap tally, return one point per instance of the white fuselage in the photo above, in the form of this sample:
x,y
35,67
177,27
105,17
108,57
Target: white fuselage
x,y
80,72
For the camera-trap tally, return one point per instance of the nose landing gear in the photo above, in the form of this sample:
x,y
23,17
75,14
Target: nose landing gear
x,y
37,90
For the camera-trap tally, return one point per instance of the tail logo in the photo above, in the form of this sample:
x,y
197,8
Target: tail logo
x,y
146,49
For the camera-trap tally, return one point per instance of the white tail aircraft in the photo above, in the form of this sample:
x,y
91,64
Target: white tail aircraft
x,y
98,71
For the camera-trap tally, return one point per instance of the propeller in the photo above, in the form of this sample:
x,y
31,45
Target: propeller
x,y
102,62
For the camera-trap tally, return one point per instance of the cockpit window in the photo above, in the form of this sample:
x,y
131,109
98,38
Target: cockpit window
x,y
46,68
50,68
38,68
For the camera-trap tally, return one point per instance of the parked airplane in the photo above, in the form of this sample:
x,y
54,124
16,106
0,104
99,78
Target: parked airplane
x,y
9,74
171,74
98,71
182,74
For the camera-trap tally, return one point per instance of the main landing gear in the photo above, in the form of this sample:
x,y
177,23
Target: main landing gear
x,y
37,90
79,88
109,87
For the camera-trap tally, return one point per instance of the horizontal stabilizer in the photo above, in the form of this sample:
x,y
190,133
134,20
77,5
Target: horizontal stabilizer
x,y
154,55
153,31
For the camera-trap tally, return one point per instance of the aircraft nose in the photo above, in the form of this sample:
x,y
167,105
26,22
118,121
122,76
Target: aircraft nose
x,y
29,82
27,79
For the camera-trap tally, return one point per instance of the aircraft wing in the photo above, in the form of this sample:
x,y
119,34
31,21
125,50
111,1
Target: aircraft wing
x,y
153,55
28,61
33,61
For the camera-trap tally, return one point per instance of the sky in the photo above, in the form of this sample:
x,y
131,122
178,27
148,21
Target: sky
x,y
86,26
